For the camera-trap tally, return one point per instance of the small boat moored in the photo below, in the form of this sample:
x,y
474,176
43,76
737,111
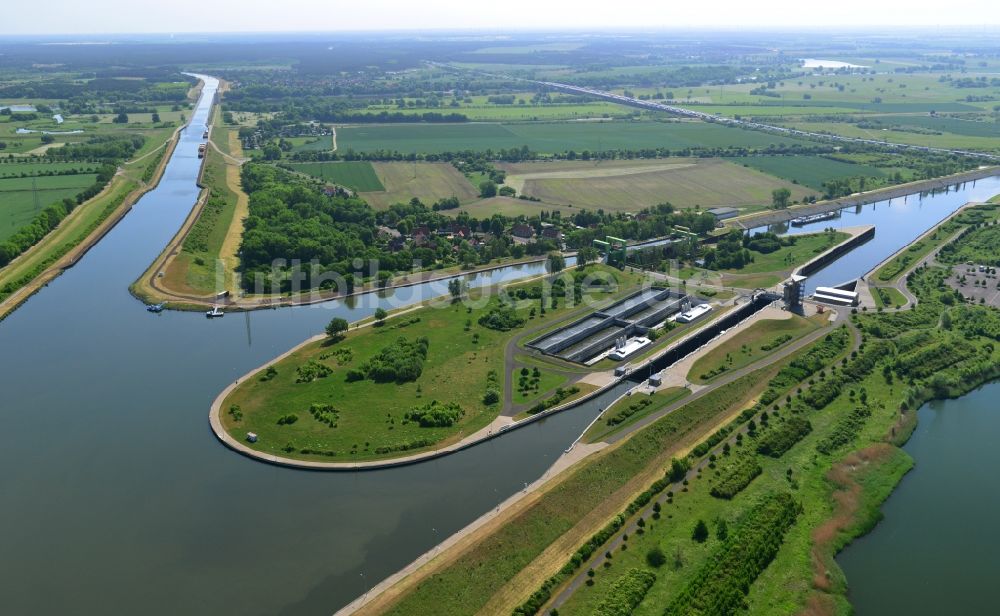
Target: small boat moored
x,y
155,307
214,312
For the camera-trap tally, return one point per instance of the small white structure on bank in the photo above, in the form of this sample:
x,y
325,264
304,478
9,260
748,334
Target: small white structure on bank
x,y
252,437
692,314
625,348
655,380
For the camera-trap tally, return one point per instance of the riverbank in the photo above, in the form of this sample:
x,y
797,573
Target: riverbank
x,y
763,219
81,230
851,498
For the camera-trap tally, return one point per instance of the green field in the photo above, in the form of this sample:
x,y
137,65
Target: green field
x,y
787,257
18,197
309,144
887,297
374,419
754,343
464,586
633,185
358,176
811,171
428,182
18,168
549,137
627,411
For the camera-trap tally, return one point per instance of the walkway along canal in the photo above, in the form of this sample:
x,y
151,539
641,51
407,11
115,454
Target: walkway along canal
x,y
118,497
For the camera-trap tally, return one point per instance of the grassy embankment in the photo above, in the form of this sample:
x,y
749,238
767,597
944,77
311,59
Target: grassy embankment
x,y
552,525
753,344
768,269
132,180
839,471
375,419
631,409
215,234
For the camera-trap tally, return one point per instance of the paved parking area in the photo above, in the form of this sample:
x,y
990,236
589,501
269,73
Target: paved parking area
x,y
980,284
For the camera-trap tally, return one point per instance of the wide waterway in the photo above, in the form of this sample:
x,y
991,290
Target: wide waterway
x,y
933,552
117,498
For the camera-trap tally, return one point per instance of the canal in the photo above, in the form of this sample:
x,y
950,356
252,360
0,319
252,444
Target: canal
x,y
897,223
118,498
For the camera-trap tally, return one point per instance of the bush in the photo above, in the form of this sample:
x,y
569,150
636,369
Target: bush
x,y
736,476
436,414
626,593
846,430
312,370
501,318
492,396
399,362
287,420
656,558
781,438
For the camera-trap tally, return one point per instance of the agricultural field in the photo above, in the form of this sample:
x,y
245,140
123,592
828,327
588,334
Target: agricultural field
x,y
810,171
428,182
358,176
21,199
633,185
549,137
508,206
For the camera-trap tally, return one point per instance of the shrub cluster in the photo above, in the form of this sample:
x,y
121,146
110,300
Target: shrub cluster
x,y
311,370
845,431
626,593
627,412
721,585
399,362
777,342
560,395
501,318
736,476
436,414
780,438
324,413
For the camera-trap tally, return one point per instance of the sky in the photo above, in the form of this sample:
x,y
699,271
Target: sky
x,y
180,16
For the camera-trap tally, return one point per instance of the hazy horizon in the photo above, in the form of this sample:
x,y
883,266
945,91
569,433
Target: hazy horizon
x,y
183,17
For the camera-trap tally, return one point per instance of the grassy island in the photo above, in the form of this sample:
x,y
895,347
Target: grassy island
x,y
410,382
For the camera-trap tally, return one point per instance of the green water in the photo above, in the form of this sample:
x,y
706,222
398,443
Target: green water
x,y
935,551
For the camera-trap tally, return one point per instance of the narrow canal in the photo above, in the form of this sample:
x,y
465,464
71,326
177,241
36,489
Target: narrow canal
x,y
897,223
118,498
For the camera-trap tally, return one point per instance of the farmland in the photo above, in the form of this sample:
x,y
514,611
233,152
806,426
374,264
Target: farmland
x,y
18,197
426,181
811,171
357,176
632,185
549,137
